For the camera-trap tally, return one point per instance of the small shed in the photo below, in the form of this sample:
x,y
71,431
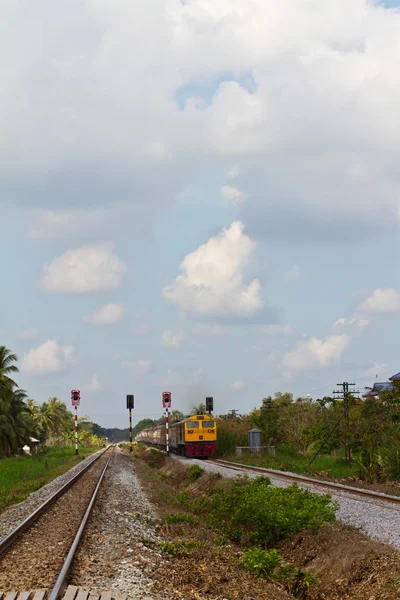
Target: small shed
x,y
34,444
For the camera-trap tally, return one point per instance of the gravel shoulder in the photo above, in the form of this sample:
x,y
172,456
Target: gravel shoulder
x,y
118,552
378,519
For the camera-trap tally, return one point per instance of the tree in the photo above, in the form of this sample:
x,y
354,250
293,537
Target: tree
x,y
176,416
7,366
200,409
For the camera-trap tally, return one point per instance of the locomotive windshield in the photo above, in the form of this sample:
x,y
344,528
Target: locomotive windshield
x,y
192,424
208,423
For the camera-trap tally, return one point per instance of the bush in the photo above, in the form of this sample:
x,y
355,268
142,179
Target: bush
x,y
269,563
180,518
195,472
262,563
266,514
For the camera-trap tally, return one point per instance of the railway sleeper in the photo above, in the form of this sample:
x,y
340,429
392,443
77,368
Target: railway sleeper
x,y
71,593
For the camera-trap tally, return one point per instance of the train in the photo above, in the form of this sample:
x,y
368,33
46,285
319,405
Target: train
x,y
194,437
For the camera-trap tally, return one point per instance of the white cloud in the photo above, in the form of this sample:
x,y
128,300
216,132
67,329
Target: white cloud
x,y
87,269
232,194
106,315
49,357
277,330
212,280
209,330
232,173
382,300
293,274
314,353
140,367
291,148
238,385
94,385
169,339
380,370
353,325
29,334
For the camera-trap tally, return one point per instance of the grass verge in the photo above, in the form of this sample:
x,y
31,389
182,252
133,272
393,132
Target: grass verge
x,y
22,475
220,535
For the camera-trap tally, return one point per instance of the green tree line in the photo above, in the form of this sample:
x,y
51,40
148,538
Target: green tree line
x,y
21,417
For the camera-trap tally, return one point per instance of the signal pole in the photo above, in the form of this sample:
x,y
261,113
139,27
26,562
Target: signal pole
x,y
75,401
345,393
130,399
167,403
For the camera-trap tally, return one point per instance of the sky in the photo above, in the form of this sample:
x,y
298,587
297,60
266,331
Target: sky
x,y
200,197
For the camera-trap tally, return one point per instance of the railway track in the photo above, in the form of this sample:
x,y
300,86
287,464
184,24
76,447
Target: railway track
x,y
37,555
309,481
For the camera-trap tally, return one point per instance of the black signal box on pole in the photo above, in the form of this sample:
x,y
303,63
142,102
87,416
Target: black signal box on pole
x,y
130,401
209,404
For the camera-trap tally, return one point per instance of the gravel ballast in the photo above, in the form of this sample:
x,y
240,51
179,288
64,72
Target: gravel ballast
x,y
11,517
377,518
35,559
119,550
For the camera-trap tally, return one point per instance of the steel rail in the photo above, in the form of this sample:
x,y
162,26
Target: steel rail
x,y
30,519
301,478
61,582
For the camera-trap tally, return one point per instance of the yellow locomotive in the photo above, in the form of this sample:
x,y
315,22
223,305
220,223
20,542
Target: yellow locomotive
x,y
194,437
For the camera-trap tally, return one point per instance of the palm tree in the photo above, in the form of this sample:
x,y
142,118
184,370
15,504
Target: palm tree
x,y
200,409
7,366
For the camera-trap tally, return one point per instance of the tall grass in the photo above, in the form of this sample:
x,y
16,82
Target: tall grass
x,y
22,475
229,435
289,460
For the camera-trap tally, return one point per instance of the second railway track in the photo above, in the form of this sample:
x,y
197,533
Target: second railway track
x,y
39,553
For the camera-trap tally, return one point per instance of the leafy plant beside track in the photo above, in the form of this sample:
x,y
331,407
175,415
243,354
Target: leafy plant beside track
x,y
244,517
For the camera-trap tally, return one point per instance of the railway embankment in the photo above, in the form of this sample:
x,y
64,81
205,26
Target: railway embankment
x,y
229,538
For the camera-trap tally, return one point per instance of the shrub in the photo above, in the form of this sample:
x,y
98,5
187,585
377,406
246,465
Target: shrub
x,y
195,472
269,563
180,518
182,498
268,514
262,563
178,548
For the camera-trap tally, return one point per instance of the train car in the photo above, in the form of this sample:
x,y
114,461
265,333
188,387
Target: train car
x,y
194,437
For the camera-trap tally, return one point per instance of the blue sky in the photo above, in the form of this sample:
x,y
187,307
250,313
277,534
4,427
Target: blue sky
x,y
214,212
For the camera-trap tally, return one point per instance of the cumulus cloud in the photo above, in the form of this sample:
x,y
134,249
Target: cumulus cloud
x,y
29,334
382,300
94,385
49,357
84,270
305,164
293,274
353,325
377,370
232,195
238,385
314,353
213,277
106,315
169,339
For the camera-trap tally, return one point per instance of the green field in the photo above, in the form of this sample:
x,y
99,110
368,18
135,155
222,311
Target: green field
x,y
22,475
298,463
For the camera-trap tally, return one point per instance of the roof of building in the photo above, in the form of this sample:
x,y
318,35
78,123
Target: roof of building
x,y
395,377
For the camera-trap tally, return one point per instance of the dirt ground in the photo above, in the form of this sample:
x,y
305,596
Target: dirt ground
x,y
347,564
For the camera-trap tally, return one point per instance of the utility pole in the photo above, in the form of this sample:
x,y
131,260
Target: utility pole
x,y
344,395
